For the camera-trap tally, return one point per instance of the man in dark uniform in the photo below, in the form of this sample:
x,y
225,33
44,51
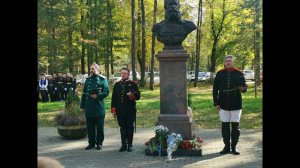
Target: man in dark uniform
x,y
228,85
51,88
74,85
59,86
123,106
95,89
65,87
69,83
55,87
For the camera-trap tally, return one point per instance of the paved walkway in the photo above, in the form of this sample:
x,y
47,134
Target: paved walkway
x,y
71,153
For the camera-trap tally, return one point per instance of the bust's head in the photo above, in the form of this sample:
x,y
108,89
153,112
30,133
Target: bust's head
x,y
172,9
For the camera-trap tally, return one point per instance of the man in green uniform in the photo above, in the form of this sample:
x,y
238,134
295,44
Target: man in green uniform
x,y
95,89
228,85
123,106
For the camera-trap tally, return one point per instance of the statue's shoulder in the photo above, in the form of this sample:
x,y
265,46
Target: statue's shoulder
x,y
157,26
190,25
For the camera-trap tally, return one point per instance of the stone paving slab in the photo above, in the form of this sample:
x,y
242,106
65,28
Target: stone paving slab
x,y
71,153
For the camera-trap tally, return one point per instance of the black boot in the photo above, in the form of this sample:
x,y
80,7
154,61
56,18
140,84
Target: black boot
x,y
89,147
226,137
99,147
123,139
235,134
130,138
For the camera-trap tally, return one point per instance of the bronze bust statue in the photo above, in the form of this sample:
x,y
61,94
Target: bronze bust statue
x,y
173,30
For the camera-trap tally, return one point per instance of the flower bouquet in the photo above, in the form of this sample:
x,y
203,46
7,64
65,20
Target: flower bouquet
x,y
164,144
173,142
158,143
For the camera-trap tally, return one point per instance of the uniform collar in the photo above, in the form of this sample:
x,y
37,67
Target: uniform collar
x,y
94,75
229,69
124,80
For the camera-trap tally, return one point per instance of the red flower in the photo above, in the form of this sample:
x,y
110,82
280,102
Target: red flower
x,y
199,139
113,110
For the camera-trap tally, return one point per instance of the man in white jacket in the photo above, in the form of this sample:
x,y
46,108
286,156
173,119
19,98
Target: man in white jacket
x,y
43,84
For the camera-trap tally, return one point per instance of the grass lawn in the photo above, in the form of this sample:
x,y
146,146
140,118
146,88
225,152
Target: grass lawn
x,y
148,106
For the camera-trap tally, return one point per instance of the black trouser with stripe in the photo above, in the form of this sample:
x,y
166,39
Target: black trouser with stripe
x,y
95,127
126,128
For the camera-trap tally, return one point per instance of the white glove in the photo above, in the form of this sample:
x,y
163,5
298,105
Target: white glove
x,y
55,88
65,89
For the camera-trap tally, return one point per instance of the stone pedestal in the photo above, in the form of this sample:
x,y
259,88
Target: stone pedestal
x,y
173,92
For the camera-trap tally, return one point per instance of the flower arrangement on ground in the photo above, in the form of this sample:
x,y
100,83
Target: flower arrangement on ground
x,y
173,144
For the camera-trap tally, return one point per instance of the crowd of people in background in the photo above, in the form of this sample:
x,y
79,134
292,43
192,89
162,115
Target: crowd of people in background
x,y
56,87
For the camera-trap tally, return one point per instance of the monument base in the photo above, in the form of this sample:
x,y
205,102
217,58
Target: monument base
x,y
178,123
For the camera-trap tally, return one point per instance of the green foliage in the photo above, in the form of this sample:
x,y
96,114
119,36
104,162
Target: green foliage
x,y
50,106
72,114
72,98
87,25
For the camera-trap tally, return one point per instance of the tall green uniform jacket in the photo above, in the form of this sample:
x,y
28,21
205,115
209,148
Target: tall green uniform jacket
x,y
94,107
120,100
225,89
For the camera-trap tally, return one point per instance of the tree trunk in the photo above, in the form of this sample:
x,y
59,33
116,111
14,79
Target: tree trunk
x,y
111,43
133,39
143,44
89,48
82,59
153,49
70,51
257,47
138,34
108,38
198,41
88,58
213,57
82,44
70,41
216,32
